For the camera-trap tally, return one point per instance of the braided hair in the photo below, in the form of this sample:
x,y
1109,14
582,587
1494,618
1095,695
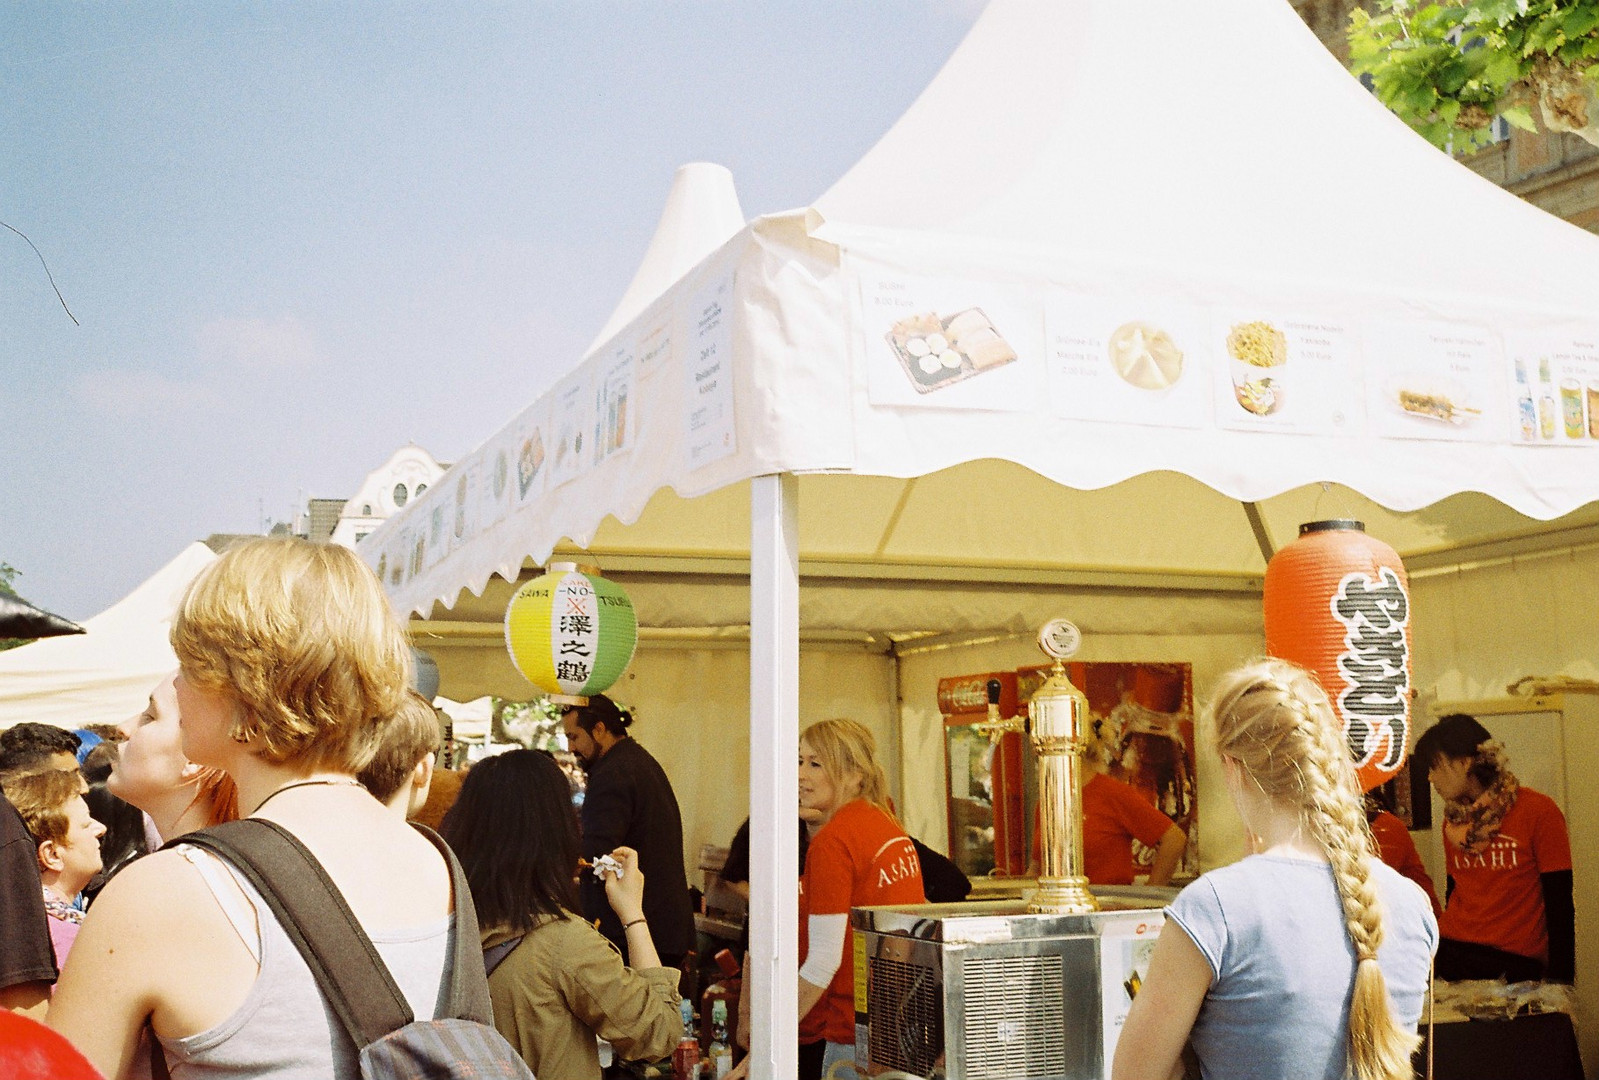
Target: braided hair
x,y
1276,722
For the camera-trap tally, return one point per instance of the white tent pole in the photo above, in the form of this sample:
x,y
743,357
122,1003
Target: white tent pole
x,y
774,775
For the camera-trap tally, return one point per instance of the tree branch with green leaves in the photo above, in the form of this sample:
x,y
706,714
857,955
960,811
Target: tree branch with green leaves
x,y
1447,70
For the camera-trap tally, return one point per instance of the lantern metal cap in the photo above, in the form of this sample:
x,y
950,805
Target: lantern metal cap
x,y
570,567
1331,525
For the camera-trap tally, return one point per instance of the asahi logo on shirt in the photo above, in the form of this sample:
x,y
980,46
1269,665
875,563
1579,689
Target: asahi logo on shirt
x,y
895,861
1375,701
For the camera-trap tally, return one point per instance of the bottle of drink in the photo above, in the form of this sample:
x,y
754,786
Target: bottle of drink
x,y
686,1058
1548,411
1524,406
721,1054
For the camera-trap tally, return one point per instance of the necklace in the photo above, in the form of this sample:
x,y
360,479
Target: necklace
x,y
342,781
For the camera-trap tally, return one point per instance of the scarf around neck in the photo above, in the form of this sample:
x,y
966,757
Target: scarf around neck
x,y
1472,826
57,908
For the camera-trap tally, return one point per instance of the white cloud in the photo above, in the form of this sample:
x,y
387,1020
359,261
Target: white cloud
x,y
246,344
111,392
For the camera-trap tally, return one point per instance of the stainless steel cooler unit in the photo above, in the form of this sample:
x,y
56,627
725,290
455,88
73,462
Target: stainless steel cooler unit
x,y
988,990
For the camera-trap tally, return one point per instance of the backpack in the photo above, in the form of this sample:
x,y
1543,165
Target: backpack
x,y
392,1043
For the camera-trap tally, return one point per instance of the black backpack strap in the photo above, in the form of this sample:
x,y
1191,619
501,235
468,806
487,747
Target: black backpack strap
x,y
347,968
495,955
468,997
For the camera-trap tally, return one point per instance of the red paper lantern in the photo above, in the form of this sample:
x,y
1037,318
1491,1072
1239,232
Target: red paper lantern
x,y
1338,603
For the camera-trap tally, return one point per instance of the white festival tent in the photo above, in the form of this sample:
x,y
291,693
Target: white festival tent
x,y
105,675
1086,191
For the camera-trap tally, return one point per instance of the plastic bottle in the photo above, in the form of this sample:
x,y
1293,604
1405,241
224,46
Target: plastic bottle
x,y
686,1058
726,989
1524,406
1548,411
720,1053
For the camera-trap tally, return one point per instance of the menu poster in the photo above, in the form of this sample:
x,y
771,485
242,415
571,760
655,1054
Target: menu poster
x,y
1434,381
574,429
533,438
1276,372
1125,948
950,344
709,374
418,550
438,534
463,524
397,559
613,398
1555,384
655,341
1127,361
497,492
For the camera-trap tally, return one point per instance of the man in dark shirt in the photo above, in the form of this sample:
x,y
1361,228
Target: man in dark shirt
x,y
27,960
629,803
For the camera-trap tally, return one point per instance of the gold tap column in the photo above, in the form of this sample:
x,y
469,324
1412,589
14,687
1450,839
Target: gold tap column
x,y
1057,716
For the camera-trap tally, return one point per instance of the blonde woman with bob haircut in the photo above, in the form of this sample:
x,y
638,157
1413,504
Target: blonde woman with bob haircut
x,y
1309,957
291,666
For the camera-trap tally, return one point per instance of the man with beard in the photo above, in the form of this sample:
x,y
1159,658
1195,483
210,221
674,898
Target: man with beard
x,y
629,803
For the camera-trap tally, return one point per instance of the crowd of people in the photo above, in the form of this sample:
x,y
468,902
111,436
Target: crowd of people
x,y
151,952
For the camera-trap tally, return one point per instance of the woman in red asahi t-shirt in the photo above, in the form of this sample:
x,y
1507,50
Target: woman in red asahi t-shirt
x,y
858,855
1508,910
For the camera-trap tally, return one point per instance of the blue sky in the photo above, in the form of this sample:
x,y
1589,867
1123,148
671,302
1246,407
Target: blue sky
x,y
297,236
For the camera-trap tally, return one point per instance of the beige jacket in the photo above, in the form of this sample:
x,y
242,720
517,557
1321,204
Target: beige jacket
x,y
565,984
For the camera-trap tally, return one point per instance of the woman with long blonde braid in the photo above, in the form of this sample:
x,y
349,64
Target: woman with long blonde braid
x,y
1309,957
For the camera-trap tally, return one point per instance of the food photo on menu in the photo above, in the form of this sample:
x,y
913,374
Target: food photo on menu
x,y
1259,353
1434,399
1145,356
937,351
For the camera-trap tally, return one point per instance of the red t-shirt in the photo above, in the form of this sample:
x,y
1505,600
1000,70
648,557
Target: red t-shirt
x,y
859,858
1498,896
1114,815
1398,850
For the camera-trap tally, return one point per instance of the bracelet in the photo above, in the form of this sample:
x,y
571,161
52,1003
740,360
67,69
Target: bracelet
x,y
627,925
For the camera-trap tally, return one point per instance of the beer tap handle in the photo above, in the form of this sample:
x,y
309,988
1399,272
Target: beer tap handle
x,y
994,725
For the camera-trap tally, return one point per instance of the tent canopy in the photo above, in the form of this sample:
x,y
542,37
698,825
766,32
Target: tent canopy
x,y
1228,175
105,675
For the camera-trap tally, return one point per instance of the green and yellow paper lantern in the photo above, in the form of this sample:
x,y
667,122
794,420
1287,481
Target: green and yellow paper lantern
x,y
571,633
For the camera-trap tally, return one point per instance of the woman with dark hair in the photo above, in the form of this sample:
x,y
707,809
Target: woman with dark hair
x,y
124,838
555,982
1508,909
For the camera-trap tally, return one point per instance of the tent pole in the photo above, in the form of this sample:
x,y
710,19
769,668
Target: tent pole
x,y
1257,525
774,776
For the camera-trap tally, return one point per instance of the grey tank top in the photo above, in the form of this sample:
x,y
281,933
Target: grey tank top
x,y
284,1029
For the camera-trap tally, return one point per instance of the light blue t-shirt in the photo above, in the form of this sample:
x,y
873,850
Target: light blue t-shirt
x,y
1273,932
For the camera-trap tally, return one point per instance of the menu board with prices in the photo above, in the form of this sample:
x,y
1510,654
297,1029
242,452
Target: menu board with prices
x,y
709,374
1277,371
950,344
1554,382
1435,381
1125,360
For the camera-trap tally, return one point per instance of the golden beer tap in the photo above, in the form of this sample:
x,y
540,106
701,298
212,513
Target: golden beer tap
x,y
1058,719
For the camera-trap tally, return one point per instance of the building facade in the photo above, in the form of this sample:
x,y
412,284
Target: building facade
x,y
409,472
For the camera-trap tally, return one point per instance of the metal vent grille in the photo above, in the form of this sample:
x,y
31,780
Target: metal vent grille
x,y
907,1011
1014,1017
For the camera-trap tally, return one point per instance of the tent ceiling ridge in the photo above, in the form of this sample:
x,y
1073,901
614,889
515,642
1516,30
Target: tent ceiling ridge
x,y
1499,552
819,570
